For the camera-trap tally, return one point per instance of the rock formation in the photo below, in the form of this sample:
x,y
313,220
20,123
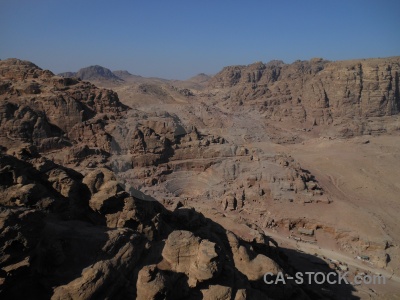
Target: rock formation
x,y
175,201
93,73
69,235
51,112
315,92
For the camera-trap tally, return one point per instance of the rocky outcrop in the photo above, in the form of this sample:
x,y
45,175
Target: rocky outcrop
x,y
84,236
51,112
316,91
253,267
198,259
146,148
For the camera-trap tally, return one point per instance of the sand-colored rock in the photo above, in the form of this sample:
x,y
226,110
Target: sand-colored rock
x,y
173,198
187,254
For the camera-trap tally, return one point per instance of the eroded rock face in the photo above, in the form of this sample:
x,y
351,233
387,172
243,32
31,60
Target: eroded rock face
x,y
198,259
253,268
143,250
76,224
39,183
152,283
316,91
159,139
53,112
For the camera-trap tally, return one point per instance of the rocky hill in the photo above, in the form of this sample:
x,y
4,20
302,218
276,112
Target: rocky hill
x,y
52,112
200,78
93,73
123,74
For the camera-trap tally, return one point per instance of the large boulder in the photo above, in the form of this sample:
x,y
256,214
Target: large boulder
x,y
197,258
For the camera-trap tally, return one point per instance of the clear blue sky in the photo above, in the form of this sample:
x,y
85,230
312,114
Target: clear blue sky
x,y
178,39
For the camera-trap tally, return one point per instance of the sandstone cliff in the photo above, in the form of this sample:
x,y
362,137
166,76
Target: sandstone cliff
x,y
315,91
52,112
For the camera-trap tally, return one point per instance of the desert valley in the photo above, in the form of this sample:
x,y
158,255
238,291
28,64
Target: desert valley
x,y
118,186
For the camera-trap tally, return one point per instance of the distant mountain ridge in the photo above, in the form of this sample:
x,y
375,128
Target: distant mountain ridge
x,y
124,74
200,78
95,72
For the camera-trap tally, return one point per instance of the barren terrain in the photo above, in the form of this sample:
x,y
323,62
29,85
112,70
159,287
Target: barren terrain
x,y
259,168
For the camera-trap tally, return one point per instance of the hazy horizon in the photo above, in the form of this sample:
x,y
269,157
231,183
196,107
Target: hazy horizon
x,y
177,40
